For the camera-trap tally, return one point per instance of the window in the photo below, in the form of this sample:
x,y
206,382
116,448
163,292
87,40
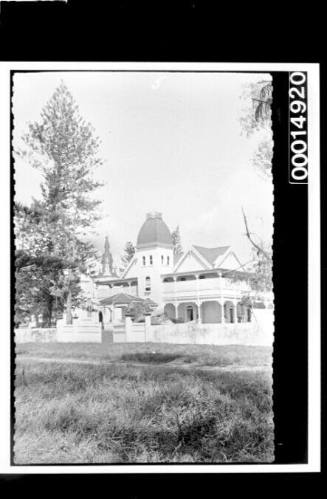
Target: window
x,y
151,260
143,260
147,284
167,260
162,259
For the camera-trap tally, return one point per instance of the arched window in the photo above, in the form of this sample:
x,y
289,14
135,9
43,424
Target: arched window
x,y
162,259
147,284
143,260
167,260
151,260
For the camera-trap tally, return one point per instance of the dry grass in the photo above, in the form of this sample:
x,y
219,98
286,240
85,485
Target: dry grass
x,y
159,413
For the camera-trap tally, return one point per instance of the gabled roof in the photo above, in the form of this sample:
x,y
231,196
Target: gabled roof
x,y
120,299
196,255
151,302
211,254
222,260
126,299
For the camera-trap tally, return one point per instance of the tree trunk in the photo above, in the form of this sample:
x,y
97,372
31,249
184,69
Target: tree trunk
x,y
69,317
50,310
44,318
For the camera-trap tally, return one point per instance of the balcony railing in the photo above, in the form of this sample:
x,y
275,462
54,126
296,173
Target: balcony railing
x,y
203,285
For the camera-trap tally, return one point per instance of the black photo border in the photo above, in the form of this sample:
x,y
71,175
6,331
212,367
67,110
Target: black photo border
x,y
290,243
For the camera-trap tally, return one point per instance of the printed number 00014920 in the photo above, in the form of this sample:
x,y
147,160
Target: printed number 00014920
x,y
298,128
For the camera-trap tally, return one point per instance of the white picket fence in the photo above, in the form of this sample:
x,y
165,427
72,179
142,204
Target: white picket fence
x,y
257,332
35,335
79,332
76,333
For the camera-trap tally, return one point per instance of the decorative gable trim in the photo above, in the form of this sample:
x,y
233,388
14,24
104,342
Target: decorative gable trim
x,y
196,254
201,257
220,260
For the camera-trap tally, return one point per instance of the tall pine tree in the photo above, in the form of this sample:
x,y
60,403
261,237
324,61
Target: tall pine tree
x,y
176,237
63,147
129,252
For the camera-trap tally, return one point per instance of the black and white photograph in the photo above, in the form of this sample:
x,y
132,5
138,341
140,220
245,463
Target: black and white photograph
x,y
164,300
144,307
162,247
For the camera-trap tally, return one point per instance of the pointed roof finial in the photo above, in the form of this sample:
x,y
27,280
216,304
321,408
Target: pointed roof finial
x,y
107,259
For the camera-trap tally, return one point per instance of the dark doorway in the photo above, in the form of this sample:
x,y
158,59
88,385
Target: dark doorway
x,y
189,313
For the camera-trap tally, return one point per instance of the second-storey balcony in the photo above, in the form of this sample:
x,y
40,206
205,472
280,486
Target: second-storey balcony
x,y
203,285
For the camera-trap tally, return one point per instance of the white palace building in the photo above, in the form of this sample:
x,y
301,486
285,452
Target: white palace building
x,y
204,296
205,285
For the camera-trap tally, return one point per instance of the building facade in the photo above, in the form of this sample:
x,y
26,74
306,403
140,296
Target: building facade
x,y
206,285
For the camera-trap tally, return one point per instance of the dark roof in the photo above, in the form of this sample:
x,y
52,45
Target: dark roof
x,y
151,302
154,232
120,299
211,254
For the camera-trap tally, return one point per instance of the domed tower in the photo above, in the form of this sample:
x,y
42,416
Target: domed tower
x,y
155,256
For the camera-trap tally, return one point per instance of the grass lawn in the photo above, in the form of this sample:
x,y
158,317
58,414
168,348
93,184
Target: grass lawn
x,y
141,403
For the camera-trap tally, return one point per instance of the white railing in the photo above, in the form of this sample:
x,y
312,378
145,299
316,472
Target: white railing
x,y
203,285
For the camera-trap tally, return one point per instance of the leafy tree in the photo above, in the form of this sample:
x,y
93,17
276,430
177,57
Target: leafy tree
x,y
262,268
138,310
262,260
30,228
257,113
129,252
63,147
262,158
176,237
256,119
41,280
41,287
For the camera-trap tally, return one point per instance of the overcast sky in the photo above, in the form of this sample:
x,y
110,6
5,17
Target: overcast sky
x,y
171,142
